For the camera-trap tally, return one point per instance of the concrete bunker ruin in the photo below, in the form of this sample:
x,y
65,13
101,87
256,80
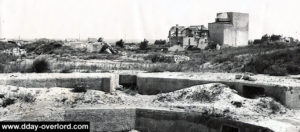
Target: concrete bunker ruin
x,y
156,120
286,93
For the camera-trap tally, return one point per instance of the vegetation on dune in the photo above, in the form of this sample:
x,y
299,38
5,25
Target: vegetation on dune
x,y
7,45
240,59
6,59
278,63
43,46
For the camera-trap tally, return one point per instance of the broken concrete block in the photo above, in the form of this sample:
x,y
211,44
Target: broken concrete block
x,y
248,78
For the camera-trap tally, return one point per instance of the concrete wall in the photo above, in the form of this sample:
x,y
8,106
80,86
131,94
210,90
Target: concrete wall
x,y
127,79
99,81
154,83
153,120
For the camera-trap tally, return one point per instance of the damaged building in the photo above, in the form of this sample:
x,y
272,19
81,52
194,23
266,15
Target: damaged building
x,y
229,28
192,36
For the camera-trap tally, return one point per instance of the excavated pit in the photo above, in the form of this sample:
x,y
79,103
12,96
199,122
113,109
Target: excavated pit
x,y
155,120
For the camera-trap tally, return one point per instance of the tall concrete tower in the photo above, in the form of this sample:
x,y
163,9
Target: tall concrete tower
x,y
230,28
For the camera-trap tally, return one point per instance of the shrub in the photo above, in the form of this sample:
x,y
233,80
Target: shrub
x,y
160,42
120,43
158,58
40,65
257,41
7,102
144,44
275,37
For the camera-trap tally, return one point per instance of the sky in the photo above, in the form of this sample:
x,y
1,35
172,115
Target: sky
x,y
138,19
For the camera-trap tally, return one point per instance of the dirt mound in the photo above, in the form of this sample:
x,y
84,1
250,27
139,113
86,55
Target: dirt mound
x,y
199,93
220,100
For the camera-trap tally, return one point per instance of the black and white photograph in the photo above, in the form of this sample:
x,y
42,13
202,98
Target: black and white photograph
x,y
149,66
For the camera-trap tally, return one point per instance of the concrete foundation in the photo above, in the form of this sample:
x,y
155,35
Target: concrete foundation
x,y
153,120
99,81
286,91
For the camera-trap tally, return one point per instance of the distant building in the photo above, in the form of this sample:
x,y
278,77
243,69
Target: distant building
x,y
15,51
230,28
3,40
92,40
77,45
94,47
71,40
192,36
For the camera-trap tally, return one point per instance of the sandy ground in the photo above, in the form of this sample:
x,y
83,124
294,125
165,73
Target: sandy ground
x,y
48,104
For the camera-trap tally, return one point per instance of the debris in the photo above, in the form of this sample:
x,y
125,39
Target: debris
x,y
247,77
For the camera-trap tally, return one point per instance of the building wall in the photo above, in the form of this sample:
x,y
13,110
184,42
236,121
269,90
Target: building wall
x,y
189,41
216,32
233,33
173,40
